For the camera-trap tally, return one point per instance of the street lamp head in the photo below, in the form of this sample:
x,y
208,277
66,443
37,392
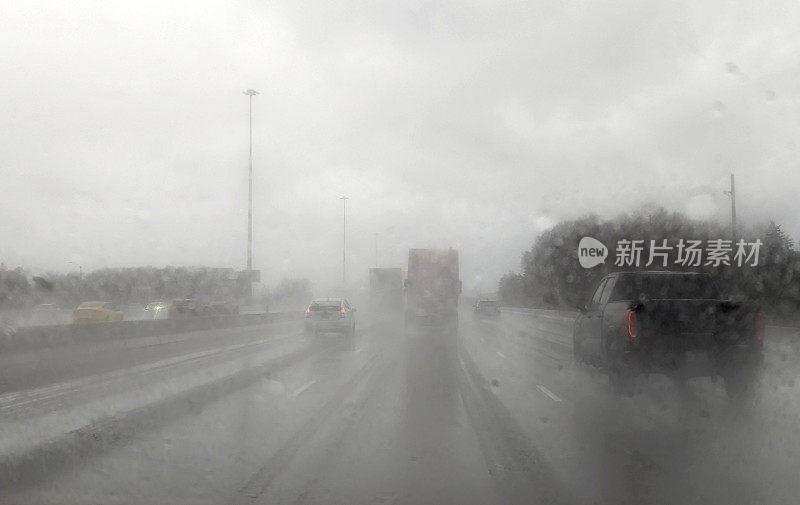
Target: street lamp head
x,y
250,92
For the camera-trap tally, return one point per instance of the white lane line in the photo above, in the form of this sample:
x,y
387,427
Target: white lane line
x,y
297,392
47,392
20,398
548,393
501,354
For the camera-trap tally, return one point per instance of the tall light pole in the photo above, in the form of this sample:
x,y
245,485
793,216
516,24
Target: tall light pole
x,y
344,239
250,93
733,208
732,195
80,269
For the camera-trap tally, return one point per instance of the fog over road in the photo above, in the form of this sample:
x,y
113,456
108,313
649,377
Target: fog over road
x,y
497,413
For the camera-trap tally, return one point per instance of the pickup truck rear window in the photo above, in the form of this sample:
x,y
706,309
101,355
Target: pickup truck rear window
x,y
664,287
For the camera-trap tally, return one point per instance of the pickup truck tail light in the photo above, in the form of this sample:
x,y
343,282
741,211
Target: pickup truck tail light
x,y
308,312
634,327
342,314
761,325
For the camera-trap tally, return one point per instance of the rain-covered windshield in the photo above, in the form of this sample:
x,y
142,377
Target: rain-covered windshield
x,y
410,252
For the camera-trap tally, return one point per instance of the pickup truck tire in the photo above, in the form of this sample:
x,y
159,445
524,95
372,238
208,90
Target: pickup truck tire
x,y
736,387
621,377
622,381
742,382
577,354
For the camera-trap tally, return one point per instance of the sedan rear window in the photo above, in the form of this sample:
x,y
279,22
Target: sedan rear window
x,y
325,306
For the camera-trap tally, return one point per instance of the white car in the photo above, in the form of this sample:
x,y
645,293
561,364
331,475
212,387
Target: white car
x,y
334,315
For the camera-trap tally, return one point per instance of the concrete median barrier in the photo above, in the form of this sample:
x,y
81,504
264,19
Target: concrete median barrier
x,y
34,337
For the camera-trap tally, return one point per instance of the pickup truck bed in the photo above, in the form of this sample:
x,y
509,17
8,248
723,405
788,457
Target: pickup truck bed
x,y
672,323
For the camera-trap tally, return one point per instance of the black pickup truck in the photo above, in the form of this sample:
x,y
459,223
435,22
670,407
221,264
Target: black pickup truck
x,y
674,323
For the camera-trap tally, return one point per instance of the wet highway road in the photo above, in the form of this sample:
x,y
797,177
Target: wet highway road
x,y
495,414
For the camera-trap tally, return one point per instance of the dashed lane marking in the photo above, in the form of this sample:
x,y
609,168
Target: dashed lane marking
x,y
549,393
297,392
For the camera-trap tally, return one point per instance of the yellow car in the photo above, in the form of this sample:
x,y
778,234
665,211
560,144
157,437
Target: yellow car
x,y
96,312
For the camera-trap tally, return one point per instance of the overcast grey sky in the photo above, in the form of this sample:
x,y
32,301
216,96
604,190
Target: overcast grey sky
x,y
467,124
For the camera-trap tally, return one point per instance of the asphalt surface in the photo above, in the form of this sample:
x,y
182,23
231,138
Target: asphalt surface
x,y
496,413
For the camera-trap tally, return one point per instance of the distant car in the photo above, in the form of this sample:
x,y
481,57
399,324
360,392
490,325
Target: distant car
x,y
330,315
486,308
220,308
96,312
183,307
156,310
